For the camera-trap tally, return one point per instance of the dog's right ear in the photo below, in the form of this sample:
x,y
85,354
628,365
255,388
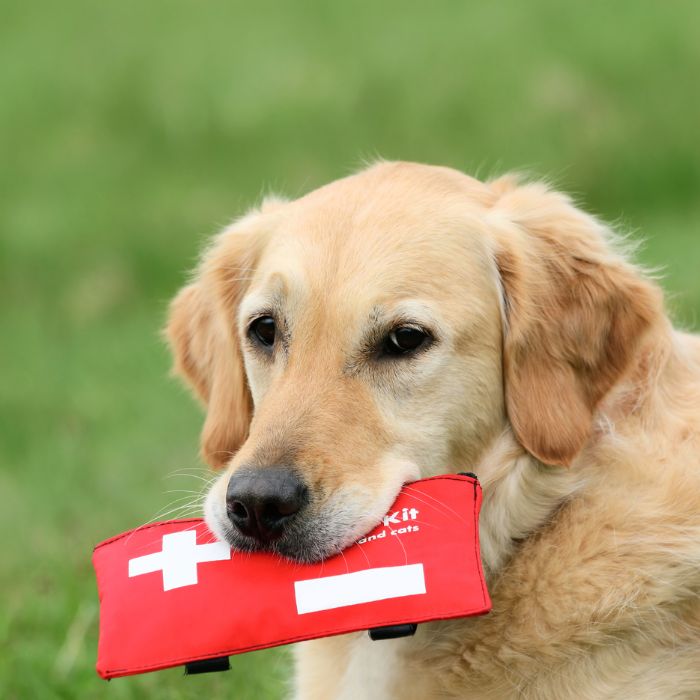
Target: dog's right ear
x,y
202,334
188,326
207,356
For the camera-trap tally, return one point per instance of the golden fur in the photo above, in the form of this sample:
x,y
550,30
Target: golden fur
x,y
555,376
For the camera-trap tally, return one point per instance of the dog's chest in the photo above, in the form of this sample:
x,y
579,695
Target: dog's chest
x,y
374,669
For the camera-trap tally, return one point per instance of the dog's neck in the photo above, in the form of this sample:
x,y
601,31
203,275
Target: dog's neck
x,y
521,495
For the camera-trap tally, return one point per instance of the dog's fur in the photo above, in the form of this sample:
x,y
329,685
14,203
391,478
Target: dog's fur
x,y
555,375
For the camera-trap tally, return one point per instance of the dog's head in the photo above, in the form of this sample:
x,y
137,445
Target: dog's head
x,y
389,326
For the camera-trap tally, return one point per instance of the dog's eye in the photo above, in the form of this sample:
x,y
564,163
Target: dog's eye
x,y
404,340
263,330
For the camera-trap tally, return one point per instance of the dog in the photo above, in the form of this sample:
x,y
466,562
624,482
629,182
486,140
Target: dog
x,y
409,320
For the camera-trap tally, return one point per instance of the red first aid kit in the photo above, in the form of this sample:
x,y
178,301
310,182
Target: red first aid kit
x,y
170,594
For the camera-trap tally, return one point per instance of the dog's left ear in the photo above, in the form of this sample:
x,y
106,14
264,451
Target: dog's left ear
x,y
576,313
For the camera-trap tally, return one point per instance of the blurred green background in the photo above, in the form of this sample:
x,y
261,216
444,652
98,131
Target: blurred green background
x,y
130,131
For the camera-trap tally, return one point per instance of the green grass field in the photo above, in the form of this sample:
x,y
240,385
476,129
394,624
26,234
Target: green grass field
x,y
130,131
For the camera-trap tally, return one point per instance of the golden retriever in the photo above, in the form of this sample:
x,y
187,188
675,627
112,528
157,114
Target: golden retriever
x,y
410,320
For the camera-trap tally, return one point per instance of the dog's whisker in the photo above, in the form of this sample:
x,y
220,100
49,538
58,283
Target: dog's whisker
x,y
159,516
397,536
191,476
444,506
347,568
192,500
198,493
362,551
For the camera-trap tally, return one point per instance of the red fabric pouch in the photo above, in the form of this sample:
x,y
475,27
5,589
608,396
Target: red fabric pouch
x,y
171,595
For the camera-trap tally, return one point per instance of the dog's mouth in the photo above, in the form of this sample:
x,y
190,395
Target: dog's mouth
x,y
321,531
297,543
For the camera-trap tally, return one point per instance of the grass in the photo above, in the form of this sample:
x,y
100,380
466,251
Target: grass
x,y
129,131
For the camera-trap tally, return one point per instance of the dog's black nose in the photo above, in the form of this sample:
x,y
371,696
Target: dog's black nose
x,y
261,501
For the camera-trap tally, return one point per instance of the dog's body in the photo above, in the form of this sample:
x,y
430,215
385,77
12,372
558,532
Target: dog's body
x,y
599,602
548,367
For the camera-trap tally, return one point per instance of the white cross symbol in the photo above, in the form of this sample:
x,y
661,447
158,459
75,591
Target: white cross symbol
x,y
179,558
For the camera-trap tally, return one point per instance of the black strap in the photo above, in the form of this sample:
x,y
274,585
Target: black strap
x,y
393,631
220,663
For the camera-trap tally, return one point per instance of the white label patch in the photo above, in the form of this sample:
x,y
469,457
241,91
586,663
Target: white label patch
x,y
365,586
